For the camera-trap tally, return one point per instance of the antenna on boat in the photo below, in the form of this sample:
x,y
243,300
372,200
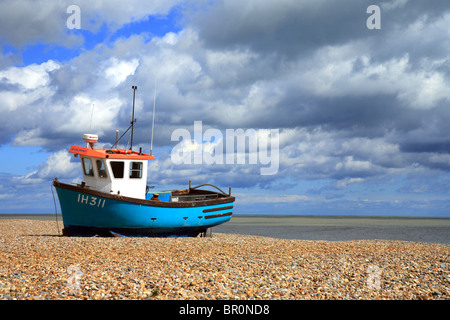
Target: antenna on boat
x,y
92,115
133,120
90,123
153,123
117,138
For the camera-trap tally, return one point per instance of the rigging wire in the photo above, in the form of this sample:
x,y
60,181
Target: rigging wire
x,y
56,211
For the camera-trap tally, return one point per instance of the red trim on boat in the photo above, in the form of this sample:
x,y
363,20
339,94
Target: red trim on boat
x,y
110,153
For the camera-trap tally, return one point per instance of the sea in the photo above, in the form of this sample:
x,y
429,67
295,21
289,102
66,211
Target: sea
x,y
326,228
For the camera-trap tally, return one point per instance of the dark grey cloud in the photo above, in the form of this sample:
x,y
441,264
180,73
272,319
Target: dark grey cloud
x,y
297,28
287,28
27,22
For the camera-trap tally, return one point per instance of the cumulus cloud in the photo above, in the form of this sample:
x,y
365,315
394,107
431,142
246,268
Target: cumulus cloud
x,y
30,77
353,106
117,71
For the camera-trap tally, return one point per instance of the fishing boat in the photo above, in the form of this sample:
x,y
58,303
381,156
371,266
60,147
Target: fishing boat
x,y
113,198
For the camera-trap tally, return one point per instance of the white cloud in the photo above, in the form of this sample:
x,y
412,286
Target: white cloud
x,y
58,164
117,71
335,76
341,184
320,154
31,76
15,101
30,137
75,117
393,4
31,83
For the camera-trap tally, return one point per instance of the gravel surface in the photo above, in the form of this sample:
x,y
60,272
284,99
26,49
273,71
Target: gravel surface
x,y
37,263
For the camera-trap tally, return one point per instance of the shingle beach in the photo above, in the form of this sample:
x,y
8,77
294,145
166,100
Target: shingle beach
x,y
37,263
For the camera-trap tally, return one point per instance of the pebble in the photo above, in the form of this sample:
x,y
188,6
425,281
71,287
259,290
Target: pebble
x,y
38,263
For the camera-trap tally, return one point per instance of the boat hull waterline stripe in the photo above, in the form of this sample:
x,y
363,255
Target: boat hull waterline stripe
x,y
219,215
217,209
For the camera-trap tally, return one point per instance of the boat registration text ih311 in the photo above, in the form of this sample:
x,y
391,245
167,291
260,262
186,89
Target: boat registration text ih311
x,y
114,200
93,201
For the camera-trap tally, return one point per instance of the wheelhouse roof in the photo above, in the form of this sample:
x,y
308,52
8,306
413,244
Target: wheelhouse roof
x,y
110,153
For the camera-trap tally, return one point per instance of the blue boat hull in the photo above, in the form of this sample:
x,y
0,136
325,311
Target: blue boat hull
x,y
86,212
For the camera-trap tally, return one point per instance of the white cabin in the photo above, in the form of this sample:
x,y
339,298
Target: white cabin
x,y
115,171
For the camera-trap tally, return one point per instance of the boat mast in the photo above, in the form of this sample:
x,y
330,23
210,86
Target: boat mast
x,y
133,120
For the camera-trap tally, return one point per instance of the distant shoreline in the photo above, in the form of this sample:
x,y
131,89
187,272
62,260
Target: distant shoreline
x,y
341,228
311,227
291,220
47,215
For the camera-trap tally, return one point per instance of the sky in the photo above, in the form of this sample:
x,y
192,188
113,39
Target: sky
x,y
359,98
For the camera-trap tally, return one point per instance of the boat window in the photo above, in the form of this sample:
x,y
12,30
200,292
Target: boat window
x,y
136,170
101,169
117,168
87,167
